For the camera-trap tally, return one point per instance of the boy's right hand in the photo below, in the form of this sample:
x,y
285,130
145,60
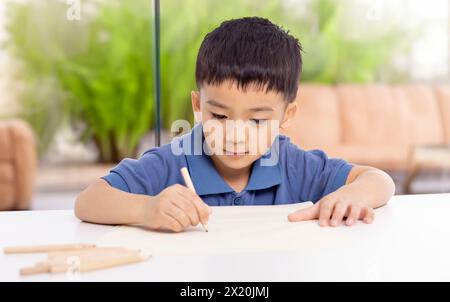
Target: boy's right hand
x,y
175,208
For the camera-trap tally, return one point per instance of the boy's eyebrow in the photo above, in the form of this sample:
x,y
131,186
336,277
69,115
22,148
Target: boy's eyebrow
x,y
256,109
217,104
264,108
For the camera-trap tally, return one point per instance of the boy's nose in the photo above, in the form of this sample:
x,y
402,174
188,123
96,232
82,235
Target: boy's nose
x,y
236,132
233,147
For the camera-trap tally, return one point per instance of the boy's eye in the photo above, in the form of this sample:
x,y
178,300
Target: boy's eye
x,y
259,121
218,116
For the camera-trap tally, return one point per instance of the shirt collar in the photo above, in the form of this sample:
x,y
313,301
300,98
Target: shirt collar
x,y
207,179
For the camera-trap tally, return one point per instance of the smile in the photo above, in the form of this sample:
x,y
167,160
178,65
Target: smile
x,y
232,153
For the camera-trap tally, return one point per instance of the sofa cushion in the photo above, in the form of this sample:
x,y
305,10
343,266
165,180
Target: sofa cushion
x,y
18,161
425,120
380,115
6,172
25,162
5,143
7,196
443,96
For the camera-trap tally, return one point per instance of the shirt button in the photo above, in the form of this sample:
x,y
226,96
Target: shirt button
x,y
237,201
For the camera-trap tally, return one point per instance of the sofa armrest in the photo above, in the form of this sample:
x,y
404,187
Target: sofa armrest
x,y
21,157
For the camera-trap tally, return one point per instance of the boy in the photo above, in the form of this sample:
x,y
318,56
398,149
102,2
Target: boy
x,y
247,71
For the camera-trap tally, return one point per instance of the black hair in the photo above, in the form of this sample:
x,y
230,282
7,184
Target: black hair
x,y
251,51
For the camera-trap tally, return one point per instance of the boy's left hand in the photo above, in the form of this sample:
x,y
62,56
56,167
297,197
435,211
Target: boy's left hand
x,y
333,208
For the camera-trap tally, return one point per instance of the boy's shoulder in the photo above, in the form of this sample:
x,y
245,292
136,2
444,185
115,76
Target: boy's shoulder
x,y
290,150
164,155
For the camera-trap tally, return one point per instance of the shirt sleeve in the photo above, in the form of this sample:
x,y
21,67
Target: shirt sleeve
x,y
148,175
318,174
115,180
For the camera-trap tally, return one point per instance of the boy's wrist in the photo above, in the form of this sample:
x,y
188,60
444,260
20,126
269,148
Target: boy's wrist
x,y
138,209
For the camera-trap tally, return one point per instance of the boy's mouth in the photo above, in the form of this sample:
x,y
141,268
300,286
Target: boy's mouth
x,y
234,153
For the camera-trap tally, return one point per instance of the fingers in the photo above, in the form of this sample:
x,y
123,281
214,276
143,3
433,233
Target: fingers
x,y
308,213
178,214
367,215
326,209
339,211
353,215
171,223
332,212
202,209
188,210
187,206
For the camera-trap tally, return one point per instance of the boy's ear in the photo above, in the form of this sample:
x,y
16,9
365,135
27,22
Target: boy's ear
x,y
195,100
289,114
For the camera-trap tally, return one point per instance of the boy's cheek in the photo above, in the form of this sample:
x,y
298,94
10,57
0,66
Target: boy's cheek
x,y
214,146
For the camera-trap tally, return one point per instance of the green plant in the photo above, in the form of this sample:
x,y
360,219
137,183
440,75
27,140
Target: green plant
x,y
97,72
101,66
334,55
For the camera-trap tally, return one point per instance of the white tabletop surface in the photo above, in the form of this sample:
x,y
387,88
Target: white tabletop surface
x,y
408,241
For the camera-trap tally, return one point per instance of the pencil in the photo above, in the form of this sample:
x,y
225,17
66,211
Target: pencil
x,y
190,185
45,248
92,260
86,265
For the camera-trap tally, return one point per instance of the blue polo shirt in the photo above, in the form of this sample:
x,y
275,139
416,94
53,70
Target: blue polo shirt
x,y
296,176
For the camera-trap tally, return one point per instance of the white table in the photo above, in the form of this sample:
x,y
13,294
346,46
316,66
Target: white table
x,y
409,241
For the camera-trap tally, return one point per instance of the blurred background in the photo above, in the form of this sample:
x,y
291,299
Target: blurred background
x,y
77,86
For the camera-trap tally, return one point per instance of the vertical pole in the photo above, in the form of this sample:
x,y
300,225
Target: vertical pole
x,y
157,72
448,37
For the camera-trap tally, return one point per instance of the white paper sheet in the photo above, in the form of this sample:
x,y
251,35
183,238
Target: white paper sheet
x,y
231,229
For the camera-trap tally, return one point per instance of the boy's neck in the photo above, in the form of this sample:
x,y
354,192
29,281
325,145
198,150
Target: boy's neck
x,y
237,179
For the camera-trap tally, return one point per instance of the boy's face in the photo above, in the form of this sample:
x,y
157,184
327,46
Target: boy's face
x,y
240,126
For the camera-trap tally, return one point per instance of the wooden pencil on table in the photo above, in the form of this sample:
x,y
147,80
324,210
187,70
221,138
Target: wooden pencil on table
x,y
88,251
190,185
87,265
89,261
46,248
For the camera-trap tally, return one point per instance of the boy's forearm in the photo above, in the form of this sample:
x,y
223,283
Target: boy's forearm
x,y
372,187
100,203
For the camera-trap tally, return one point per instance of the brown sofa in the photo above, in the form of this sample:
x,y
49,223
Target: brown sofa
x,y
375,125
17,165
